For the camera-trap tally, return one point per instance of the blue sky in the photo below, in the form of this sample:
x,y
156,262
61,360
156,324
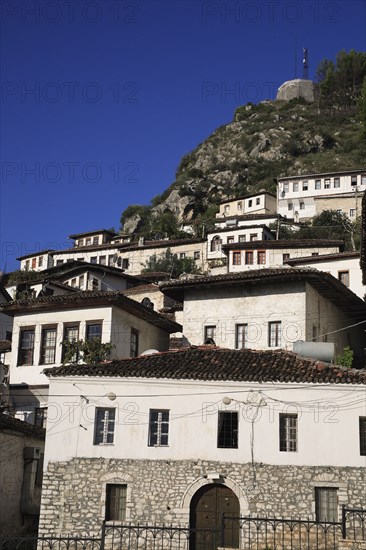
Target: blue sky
x,y
100,99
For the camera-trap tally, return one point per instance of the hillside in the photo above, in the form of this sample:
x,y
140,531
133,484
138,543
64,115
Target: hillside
x,y
263,142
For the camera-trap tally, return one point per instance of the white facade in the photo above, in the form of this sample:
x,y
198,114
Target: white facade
x,y
324,419
344,266
37,261
269,254
219,237
260,203
297,195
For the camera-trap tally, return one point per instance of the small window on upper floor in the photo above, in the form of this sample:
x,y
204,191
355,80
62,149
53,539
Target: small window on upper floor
x,y
285,257
196,255
134,343
88,241
337,183
40,261
257,201
125,263
318,184
34,263
236,258
274,334
288,432
343,276
102,260
286,187
93,260
249,257
363,179
95,240
352,212
48,346
327,183
290,206
353,180
362,432
240,205
302,206
104,425
93,330
295,186
158,427
305,185
230,240
250,203
227,430
209,334
242,238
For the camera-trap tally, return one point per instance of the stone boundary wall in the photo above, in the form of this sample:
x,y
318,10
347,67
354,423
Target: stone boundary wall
x,y
160,491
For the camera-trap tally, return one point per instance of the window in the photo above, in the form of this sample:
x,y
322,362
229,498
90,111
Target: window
x,y
80,259
34,263
337,182
315,253
230,240
111,259
94,330
327,183
286,187
242,238
104,426
73,283
95,240
227,432
216,244
240,206
261,257
158,428
285,257
274,334
362,428
305,186
353,180
363,179
182,255
209,333
71,334
249,257
352,212
93,260
253,236
257,201
27,265
48,348
241,336
125,263
95,283
343,276
40,417
40,261
134,343
59,262
236,258
196,255
290,206
88,241
288,432
81,281
80,242
295,186
102,260
302,206
326,504
318,184
227,208
115,503
250,203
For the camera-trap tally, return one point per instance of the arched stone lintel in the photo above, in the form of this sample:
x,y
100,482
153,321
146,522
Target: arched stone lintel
x,y
201,482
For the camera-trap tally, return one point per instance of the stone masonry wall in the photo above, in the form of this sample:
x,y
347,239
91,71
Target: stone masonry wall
x,y
73,497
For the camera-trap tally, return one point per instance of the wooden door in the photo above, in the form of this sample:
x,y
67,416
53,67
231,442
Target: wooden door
x,y
207,508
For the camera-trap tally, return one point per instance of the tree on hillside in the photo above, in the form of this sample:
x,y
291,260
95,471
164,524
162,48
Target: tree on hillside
x,y
168,262
362,110
331,224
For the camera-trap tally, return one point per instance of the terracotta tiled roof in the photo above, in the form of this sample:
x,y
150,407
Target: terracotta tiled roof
x,y
84,299
335,291
217,364
141,288
283,243
312,175
8,422
323,258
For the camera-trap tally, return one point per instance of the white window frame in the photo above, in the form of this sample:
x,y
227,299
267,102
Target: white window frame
x,y
288,425
108,421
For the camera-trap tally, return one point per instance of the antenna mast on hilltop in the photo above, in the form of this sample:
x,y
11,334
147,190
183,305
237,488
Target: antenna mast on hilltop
x,y
305,64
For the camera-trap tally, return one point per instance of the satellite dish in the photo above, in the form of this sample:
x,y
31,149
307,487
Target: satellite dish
x,y
150,352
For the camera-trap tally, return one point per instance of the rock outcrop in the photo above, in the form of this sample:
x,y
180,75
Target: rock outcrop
x,y
296,88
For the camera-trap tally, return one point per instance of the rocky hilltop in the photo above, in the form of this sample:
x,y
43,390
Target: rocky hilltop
x,y
263,142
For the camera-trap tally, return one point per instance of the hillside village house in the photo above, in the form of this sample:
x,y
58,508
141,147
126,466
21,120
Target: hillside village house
x,y
131,257
42,324
344,266
21,467
305,196
270,308
259,203
265,254
235,432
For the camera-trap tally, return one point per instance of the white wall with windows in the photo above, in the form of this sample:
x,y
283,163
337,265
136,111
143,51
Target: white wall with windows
x,y
36,262
262,203
296,423
216,239
296,195
265,257
265,316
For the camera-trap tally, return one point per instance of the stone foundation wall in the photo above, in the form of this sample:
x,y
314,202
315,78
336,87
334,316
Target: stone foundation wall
x,y
73,496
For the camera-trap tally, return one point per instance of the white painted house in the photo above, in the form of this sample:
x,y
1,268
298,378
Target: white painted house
x,y
258,203
157,438
270,253
304,196
270,308
344,266
42,324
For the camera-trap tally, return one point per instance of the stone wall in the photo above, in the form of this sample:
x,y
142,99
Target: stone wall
x,y
73,497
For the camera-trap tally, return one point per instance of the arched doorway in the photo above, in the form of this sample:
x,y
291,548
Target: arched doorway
x,y
206,518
